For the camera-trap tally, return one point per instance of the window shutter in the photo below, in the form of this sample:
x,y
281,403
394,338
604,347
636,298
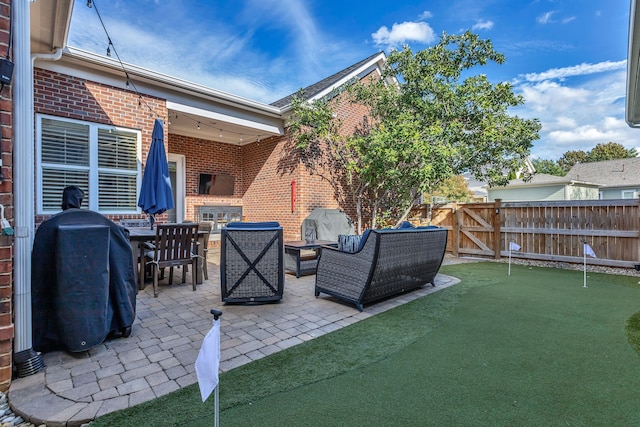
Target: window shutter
x,y
55,180
65,143
117,149
117,192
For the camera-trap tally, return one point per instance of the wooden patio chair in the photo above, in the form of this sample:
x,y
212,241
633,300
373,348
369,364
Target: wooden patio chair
x,y
205,226
175,245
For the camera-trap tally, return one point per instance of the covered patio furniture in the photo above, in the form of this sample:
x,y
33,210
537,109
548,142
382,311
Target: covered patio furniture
x,y
174,246
82,282
251,262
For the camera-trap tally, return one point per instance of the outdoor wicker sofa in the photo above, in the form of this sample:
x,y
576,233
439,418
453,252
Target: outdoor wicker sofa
x,y
388,262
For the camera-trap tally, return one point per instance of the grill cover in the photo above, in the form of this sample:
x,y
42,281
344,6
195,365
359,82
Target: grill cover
x,y
77,302
328,223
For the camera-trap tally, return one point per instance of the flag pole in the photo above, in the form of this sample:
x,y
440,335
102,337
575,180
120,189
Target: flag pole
x,y
584,257
216,397
509,260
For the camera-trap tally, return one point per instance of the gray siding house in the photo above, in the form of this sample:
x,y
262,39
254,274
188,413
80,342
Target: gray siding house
x,y
544,187
609,179
618,179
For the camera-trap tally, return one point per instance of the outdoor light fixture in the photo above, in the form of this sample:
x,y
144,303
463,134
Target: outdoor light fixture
x,y
198,127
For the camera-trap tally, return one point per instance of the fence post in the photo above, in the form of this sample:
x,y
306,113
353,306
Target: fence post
x,y
497,238
455,229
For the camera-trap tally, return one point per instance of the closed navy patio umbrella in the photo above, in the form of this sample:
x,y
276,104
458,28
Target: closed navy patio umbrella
x,y
155,192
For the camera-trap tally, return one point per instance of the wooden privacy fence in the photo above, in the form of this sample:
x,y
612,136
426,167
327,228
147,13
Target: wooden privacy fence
x,y
546,230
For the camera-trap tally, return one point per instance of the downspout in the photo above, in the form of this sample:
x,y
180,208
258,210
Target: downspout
x,y
23,171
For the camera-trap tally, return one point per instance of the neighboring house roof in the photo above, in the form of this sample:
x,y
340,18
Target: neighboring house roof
x,y
608,173
324,86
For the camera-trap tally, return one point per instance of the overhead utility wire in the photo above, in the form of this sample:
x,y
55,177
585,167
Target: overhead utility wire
x,y
92,3
141,100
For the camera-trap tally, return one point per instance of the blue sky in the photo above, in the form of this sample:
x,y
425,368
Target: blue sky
x,y
566,57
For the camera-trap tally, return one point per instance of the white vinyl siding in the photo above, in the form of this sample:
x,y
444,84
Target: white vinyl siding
x,y
102,160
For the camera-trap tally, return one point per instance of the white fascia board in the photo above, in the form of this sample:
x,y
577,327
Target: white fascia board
x,y
360,73
632,110
373,64
272,128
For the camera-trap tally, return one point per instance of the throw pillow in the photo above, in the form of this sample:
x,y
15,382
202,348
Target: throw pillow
x,y
348,243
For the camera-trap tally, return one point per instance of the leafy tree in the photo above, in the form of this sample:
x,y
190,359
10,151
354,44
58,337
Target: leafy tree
x,y
572,157
549,167
454,188
429,118
610,151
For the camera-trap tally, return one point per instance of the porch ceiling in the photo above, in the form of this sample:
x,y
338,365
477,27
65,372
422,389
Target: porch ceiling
x,y
220,127
49,22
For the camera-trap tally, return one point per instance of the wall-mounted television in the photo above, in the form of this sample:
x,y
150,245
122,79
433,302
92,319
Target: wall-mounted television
x,y
216,184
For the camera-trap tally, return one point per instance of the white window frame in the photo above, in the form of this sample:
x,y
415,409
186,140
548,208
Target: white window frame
x,y
93,169
628,194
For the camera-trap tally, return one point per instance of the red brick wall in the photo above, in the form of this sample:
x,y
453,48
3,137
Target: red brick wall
x,y
6,198
261,186
206,156
74,98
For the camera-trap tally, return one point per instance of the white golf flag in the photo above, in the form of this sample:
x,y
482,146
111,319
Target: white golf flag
x,y
208,361
513,246
589,251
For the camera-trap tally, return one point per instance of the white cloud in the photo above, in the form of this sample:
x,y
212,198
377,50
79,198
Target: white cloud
x,y
544,18
576,70
482,25
425,15
579,116
569,19
402,33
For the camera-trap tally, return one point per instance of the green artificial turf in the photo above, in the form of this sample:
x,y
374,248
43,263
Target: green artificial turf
x,y
533,348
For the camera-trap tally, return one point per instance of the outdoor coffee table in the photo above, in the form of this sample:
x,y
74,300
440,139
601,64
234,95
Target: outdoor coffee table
x,y
297,262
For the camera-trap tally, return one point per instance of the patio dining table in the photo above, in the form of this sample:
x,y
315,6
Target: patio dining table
x,y
138,236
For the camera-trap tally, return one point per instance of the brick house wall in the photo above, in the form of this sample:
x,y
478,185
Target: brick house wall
x,y
206,156
6,198
262,187
70,97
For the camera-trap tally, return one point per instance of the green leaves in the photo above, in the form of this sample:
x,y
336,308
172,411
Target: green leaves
x,y
429,116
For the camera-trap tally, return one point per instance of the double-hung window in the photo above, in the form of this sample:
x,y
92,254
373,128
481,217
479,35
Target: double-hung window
x,y
102,160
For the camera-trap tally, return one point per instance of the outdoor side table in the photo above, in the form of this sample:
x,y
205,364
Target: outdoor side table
x,y
296,262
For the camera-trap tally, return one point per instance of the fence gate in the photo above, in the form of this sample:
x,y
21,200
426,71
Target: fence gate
x,y
477,229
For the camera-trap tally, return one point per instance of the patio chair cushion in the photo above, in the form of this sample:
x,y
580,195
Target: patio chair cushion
x,y
406,224
265,224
